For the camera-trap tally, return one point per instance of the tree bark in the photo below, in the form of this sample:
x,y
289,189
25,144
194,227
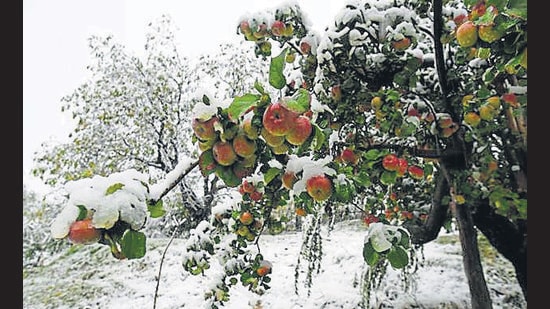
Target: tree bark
x,y
479,293
508,238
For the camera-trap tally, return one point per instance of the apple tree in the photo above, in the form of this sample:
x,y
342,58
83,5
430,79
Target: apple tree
x,y
412,112
133,111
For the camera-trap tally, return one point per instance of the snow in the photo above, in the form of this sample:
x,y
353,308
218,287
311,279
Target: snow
x,y
88,277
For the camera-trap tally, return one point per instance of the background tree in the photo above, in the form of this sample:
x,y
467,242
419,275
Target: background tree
x,y
133,112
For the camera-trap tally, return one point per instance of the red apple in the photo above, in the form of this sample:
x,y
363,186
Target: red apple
x,y
390,162
224,153
319,187
348,156
256,195
278,28
416,172
244,146
277,119
402,44
248,187
402,166
204,129
246,218
264,269
245,27
466,34
288,179
300,131
83,232
305,47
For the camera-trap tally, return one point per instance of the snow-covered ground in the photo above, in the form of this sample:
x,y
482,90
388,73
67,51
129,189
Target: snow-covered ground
x,y
88,277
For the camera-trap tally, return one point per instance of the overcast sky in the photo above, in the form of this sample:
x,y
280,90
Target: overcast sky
x,y
55,52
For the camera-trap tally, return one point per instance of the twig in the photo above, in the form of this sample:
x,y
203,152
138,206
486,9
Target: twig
x,y
160,267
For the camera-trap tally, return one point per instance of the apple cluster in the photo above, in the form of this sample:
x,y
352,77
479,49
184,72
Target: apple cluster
x,y
481,23
229,152
261,32
284,128
391,162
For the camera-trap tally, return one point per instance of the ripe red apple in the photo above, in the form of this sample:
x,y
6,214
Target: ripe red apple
x,y
83,232
264,269
277,119
261,31
300,131
300,212
348,156
204,129
402,166
244,26
278,28
256,195
466,34
416,172
288,179
244,146
224,153
319,187
248,187
246,218
402,44
305,47
390,162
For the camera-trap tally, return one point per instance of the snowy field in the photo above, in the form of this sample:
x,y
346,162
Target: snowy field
x,y
88,277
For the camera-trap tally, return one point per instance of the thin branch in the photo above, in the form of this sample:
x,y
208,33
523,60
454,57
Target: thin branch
x,y
160,267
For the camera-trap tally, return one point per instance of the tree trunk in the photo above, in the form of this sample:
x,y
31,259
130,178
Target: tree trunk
x,y
479,293
508,238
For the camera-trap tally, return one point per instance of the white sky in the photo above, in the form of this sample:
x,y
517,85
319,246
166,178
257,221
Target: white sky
x,y
55,51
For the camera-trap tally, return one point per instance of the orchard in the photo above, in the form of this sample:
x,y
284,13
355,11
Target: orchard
x,y
411,112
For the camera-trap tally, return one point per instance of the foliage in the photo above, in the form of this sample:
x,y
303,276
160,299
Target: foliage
x,y
387,112
38,244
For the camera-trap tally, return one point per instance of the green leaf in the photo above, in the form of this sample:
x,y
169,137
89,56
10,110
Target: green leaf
x,y
517,8
259,87
405,239
373,154
388,178
299,102
82,212
133,244
276,67
398,257
113,188
271,174
156,211
362,179
343,192
319,138
241,104
370,255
